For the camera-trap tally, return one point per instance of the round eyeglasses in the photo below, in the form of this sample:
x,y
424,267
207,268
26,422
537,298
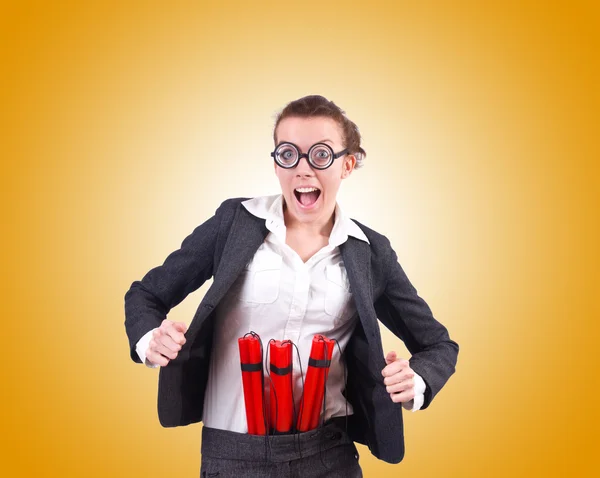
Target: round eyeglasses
x,y
319,156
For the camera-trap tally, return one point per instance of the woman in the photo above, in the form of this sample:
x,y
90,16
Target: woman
x,y
288,267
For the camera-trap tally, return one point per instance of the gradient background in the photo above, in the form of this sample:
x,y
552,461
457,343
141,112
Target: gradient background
x,y
125,124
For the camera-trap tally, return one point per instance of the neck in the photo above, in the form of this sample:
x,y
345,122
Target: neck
x,y
320,227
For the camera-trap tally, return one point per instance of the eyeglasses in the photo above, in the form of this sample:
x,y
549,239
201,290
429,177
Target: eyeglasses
x,y
319,156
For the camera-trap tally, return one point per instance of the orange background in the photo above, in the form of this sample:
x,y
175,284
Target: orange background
x,y
125,124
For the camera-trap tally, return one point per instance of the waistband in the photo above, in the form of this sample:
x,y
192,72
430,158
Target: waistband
x,y
224,444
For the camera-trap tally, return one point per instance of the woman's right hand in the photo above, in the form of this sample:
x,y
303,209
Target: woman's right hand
x,y
166,342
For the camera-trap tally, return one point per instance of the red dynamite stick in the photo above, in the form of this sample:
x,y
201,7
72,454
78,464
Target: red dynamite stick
x,y
316,376
252,380
247,384
323,374
281,403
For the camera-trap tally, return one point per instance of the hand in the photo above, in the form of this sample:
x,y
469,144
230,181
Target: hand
x,y
398,378
166,342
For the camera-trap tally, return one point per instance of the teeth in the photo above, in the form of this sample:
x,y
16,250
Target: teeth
x,y
306,190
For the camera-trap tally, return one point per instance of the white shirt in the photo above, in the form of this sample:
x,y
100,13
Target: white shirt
x,y
279,296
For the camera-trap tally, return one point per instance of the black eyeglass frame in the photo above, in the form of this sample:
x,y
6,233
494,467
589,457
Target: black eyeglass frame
x,y
334,156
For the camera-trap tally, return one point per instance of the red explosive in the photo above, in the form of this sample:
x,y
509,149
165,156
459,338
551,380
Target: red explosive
x,y
281,395
252,379
314,387
281,403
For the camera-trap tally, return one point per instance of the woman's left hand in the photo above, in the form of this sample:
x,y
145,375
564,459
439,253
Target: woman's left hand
x,y
398,378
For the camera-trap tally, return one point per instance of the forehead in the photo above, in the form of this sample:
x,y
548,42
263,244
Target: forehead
x,y
305,132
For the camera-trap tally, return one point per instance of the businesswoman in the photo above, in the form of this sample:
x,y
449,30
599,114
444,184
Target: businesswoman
x,y
290,266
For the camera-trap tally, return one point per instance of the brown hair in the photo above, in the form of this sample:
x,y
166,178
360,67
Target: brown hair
x,y
315,106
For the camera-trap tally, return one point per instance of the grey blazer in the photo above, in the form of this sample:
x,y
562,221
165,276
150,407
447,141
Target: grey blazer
x,y
220,248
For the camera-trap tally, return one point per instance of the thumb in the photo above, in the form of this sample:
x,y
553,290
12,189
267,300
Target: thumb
x,y
180,326
390,357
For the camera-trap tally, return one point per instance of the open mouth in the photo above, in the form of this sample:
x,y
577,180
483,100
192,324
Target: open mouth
x,y
307,197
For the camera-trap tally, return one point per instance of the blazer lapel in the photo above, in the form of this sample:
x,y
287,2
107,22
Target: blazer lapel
x,y
357,259
247,233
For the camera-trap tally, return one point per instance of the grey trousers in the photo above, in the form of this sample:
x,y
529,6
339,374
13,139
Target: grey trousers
x,y
325,452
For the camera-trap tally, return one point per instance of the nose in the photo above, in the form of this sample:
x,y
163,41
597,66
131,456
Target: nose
x,y
303,168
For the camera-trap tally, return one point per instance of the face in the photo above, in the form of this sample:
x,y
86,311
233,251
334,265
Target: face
x,y
310,194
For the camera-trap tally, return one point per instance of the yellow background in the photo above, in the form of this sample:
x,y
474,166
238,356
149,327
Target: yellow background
x,y
125,124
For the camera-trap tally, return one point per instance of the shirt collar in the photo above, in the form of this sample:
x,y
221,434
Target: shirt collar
x,y
270,208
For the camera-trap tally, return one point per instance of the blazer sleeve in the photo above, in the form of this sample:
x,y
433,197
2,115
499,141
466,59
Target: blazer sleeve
x,y
407,315
148,301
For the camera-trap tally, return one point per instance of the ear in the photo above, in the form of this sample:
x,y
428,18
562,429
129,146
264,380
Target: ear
x,y
348,165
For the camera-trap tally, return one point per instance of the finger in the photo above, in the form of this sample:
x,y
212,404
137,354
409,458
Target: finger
x,y
403,397
391,369
175,334
398,377
168,342
159,348
180,326
395,367
390,357
400,387
156,358
167,328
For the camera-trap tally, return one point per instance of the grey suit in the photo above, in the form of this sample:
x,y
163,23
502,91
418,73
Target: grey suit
x,y
220,248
